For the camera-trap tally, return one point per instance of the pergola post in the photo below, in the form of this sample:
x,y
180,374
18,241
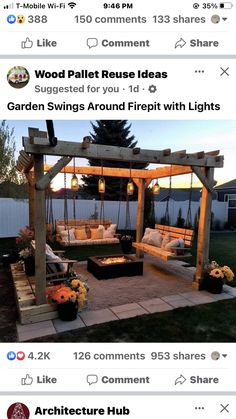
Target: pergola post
x,y
140,213
204,229
31,194
40,234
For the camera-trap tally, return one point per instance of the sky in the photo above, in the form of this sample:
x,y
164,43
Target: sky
x,y
191,136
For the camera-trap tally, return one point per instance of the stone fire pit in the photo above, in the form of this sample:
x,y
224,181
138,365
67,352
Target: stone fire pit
x,y
106,267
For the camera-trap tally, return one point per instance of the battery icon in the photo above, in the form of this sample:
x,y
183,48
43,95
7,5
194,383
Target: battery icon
x,y
226,5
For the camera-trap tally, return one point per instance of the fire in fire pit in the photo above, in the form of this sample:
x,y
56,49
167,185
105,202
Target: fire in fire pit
x,y
114,266
113,260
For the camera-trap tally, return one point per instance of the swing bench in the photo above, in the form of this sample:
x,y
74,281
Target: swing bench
x,y
177,252
186,234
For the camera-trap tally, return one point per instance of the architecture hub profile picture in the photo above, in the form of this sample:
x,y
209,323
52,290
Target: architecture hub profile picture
x,y
18,77
18,411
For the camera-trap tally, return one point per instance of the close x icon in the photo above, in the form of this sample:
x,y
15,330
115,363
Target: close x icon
x,y
224,408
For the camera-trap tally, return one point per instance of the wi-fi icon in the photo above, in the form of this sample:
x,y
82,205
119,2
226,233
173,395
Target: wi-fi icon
x,y
72,5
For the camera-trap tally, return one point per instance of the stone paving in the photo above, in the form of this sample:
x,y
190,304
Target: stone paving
x,y
125,311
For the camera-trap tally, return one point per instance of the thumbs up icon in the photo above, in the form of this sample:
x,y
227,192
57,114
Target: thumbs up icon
x,y
27,380
27,43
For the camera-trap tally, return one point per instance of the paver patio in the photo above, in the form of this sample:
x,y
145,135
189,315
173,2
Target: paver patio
x,y
121,298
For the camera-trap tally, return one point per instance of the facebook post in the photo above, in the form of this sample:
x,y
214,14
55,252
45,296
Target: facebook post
x,y
117,209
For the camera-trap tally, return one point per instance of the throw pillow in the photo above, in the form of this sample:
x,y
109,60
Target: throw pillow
x,y
80,234
101,227
96,233
155,238
110,232
165,240
59,229
175,243
147,234
64,234
55,267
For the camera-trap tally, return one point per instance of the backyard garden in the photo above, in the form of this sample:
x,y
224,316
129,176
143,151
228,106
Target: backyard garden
x,y
85,279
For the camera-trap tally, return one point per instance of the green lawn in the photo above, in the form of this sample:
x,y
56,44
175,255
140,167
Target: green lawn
x,y
222,250
215,322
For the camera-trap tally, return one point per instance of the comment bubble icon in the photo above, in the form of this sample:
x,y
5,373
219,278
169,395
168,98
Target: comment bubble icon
x,y
92,42
92,379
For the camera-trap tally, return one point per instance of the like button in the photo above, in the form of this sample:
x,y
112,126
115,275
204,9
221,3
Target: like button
x,y
27,43
27,381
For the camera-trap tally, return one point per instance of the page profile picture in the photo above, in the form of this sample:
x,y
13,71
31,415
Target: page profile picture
x,y
18,410
18,77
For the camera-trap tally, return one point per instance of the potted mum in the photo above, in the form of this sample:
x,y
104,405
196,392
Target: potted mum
x,y
23,243
69,297
29,261
216,276
126,243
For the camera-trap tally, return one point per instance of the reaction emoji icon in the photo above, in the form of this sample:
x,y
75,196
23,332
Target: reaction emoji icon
x,y
11,19
20,19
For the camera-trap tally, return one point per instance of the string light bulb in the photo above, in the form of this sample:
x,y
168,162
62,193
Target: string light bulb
x,y
156,188
74,183
130,188
101,182
130,184
101,185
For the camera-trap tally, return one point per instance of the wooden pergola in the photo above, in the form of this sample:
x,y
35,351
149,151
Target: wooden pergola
x,y
37,145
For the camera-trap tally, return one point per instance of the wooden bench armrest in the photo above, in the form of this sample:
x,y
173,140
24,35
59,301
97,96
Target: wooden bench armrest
x,y
62,261
59,252
180,248
56,275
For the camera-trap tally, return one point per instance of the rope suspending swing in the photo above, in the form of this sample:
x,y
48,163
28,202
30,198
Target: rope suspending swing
x,y
49,211
167,211
119,205
188,221
66,218
129,192
101,188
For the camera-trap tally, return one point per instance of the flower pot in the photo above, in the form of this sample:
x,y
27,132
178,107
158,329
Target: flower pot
x,y
213,285
67,311
126,244
29,266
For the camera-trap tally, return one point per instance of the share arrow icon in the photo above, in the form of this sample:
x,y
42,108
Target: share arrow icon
x,y
180,43
180,380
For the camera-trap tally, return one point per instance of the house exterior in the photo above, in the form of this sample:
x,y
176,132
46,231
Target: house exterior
x,y
227,193
179,194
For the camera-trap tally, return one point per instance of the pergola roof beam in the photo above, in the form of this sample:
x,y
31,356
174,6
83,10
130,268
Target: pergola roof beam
x,y
160,172
106,152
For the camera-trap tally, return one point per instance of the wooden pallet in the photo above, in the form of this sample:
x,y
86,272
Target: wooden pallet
x,y
28,311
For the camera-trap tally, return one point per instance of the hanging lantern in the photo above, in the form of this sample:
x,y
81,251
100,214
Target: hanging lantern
x,y
156,188
74,183
130,188
101,185
101,182
130,185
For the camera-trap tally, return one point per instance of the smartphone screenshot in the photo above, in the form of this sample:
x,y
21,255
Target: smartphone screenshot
x,y
117,209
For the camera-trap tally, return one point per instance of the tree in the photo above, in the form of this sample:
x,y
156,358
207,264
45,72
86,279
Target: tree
x,y
115,133
7,154
180,220
149,209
